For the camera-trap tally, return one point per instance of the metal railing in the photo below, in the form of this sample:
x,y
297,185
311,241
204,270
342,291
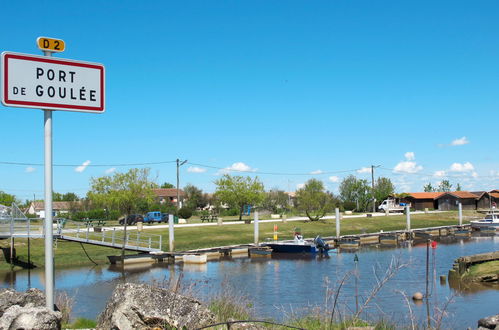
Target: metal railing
x,y
14,223
111,237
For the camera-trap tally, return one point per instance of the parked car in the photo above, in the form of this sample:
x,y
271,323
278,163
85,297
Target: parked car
x,y
155,216
132,219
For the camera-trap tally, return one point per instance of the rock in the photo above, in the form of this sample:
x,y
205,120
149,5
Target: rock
x,y
417,296
491,322
10,297
141,306
30,317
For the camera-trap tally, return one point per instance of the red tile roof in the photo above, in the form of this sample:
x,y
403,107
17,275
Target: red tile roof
x,y
168,192
460,194
494,194
425,195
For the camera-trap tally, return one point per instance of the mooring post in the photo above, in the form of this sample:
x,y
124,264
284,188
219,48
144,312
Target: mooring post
x,y
408,217
255,222
170,232
337,222
114,232
460,213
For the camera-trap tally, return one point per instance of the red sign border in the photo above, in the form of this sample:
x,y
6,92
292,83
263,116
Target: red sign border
x,y
53,106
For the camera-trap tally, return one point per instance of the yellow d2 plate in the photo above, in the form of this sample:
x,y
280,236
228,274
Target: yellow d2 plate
x,y
51,44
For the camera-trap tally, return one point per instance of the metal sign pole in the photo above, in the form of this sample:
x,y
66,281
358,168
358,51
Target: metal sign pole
x,y
49,253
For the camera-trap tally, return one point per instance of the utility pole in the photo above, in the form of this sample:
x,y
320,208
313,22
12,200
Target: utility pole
x,y
372,185
179,163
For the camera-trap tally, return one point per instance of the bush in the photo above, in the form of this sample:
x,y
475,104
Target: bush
x,y
229,212
185,213
349,206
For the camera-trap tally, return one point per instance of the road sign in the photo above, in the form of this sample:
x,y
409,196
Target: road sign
x,y
30,81
51,44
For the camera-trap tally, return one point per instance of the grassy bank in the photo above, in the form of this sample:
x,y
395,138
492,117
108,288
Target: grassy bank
x,y
73,254
477,272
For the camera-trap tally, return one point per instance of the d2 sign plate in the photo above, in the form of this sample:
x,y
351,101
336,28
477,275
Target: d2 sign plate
x,y
41,82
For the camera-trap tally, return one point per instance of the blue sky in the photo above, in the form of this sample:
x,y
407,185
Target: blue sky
x,y
285,87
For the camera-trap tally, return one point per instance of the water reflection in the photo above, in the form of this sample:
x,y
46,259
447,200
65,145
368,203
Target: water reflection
x,y
293,282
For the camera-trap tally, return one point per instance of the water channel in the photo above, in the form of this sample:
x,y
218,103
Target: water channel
x,y
278,284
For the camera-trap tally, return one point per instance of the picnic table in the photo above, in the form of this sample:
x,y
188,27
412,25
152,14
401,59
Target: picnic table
x,y
208,217
95,223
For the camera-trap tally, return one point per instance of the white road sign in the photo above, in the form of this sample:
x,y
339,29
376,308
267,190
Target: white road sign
x,y
30,81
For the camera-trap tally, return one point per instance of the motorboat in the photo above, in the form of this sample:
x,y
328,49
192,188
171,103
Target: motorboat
x,y
299,245
491,220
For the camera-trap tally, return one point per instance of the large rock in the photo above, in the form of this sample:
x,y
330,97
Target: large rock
x,y
491,322
26,310
142,306
30,318
10,297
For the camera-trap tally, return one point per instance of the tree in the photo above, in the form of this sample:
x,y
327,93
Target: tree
x,y
67,197
238,191
195,197
122,191
356,191
8,199
314,200
276,201
445,186
167,185
458,188
383,188
428,187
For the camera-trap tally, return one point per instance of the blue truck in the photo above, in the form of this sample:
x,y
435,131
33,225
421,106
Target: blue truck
x,y
156,216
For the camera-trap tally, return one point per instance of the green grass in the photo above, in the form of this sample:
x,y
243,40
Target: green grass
x,y
483,269
187,238
81,323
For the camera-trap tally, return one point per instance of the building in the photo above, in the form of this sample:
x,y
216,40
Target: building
x,y
449,201
164,195
58,208
423,200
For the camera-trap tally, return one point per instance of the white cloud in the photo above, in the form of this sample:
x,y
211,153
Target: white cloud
x,y
316,172
460,142
458,167
195,169
334,178
408,167
300,185
237,167
409,156
439,174
364,170
474,175
82,167
110,170
30,169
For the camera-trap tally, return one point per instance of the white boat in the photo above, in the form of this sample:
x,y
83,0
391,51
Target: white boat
x,y
490,220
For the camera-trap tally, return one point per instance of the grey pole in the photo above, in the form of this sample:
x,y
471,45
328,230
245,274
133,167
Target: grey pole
x,y
460,212
170,232
49,253
408,217
337,222
255,222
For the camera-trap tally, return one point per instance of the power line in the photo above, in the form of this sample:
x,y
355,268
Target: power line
x,y
90,165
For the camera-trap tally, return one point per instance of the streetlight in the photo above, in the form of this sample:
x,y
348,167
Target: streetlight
x,y
179,163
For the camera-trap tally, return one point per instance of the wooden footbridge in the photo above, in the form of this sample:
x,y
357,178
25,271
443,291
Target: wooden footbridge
x,y
14,224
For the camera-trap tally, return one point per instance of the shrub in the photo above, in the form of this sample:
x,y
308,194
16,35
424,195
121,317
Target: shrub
x,y
185,213
349,206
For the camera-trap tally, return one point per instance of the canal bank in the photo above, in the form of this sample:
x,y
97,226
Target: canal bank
x,y
198,237
276,286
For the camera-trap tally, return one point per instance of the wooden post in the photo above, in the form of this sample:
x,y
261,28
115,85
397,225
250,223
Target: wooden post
x,y
460,212
408,217
337,222
256,229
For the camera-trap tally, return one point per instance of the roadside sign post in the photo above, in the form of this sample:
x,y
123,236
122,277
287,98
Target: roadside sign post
x,y
43,82
49,250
